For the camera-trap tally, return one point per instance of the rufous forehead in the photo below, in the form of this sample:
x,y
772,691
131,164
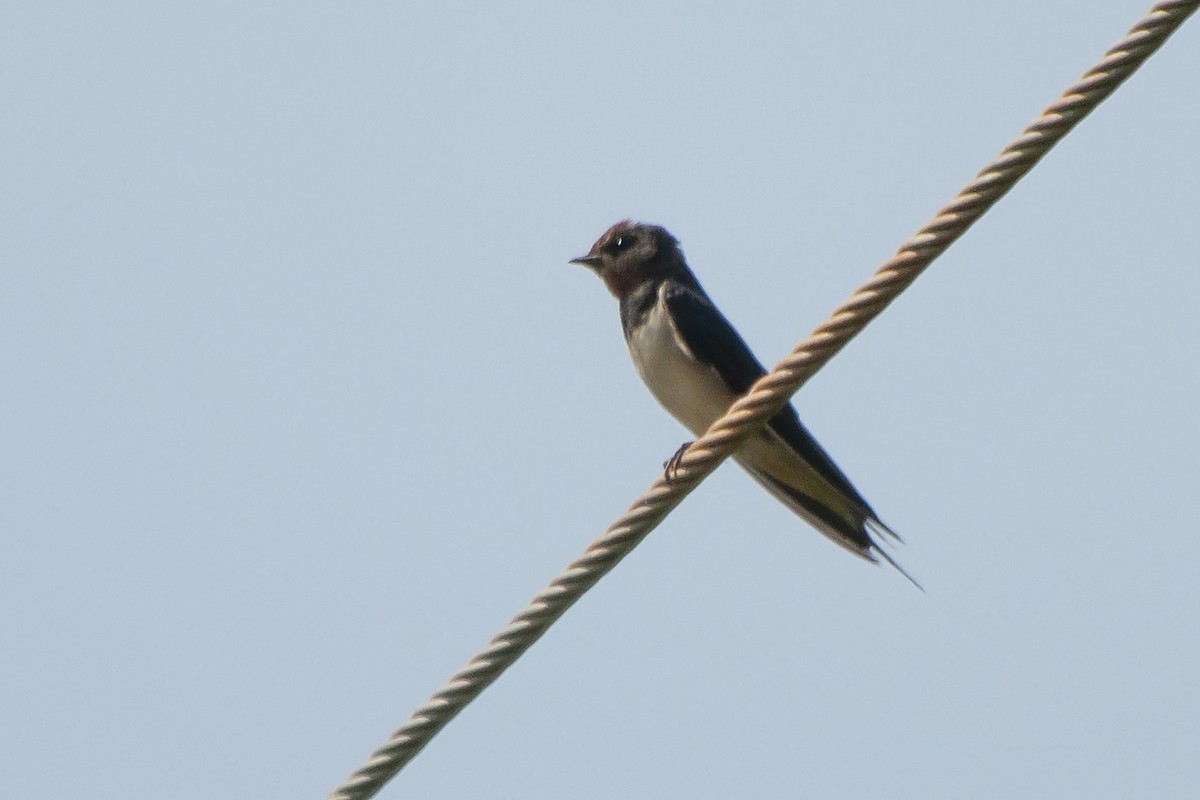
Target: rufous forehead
x,y
620,229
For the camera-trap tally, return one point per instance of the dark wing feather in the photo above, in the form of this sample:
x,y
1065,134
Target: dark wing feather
x,y
714,341
711,338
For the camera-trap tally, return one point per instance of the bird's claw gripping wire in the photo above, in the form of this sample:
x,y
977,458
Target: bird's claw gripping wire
x,y
671,465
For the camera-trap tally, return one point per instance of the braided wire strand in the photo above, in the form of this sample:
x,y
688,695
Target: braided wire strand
x,y
767,396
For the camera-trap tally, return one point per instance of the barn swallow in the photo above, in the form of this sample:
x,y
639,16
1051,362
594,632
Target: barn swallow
x,y
696,365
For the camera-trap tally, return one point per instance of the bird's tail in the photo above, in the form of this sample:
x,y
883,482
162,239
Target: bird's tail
x,y
856,529
886,534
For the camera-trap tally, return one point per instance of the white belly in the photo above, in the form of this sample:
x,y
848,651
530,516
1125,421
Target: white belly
x,y
693,393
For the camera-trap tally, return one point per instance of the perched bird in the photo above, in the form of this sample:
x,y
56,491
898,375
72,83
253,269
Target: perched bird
x,y
696,365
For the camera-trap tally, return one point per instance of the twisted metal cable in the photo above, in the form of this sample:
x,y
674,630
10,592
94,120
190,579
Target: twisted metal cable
x,y
767,396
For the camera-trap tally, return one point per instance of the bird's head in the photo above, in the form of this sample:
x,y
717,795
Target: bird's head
x,y
630,254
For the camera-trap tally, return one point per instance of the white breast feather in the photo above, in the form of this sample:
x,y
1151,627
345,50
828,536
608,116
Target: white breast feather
x,y
692,392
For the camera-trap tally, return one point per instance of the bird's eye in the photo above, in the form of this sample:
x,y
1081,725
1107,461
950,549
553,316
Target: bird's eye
x,y
621,242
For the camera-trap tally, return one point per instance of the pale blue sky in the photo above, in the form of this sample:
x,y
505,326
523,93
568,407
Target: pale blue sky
x,y
300,401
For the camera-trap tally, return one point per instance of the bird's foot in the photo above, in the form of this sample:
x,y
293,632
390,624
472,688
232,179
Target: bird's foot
x,y
671,465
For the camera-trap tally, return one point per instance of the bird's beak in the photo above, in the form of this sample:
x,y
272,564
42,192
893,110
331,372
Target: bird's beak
x,y
588,261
